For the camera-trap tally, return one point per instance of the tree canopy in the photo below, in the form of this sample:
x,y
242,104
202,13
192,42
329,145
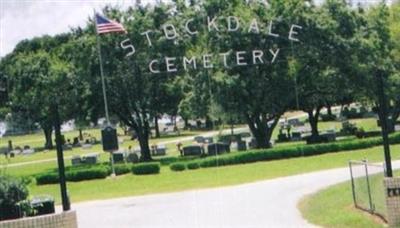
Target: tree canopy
x,y
252,60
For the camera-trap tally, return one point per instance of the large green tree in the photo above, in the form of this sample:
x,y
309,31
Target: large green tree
x,y
325,64
135,95
40,81
259,91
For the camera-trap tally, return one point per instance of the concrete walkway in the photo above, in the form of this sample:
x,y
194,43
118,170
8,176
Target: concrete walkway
x,y
271,203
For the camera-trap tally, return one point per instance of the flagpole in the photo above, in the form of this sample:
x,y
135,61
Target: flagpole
x,y
103,84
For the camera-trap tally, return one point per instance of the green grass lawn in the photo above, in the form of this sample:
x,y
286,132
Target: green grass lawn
x,y
334,207
37,140
168,181
49,154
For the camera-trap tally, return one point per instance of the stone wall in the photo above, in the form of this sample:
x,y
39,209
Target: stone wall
x,y
392,192
61,220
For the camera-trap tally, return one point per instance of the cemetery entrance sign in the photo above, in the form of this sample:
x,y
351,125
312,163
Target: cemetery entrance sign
x,y
230,58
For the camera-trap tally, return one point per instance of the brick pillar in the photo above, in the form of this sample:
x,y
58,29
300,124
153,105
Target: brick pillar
x,y
392,192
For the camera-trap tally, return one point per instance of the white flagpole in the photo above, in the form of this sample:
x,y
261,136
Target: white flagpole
x,y
102,73
104,90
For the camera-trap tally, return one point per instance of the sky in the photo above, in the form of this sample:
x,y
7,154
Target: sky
x,y
25,19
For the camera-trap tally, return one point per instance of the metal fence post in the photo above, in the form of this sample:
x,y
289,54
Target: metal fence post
x,y
352,185
371,206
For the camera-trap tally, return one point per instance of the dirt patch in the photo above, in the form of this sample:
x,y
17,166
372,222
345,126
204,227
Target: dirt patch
x,y
375,217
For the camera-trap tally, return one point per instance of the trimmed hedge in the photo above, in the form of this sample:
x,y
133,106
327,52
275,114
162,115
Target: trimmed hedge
x,y
193,165
178,166
73,175
146,168
47,178
88,174
121,169
291,152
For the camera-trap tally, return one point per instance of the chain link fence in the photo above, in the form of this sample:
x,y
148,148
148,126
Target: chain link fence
x,y
367,187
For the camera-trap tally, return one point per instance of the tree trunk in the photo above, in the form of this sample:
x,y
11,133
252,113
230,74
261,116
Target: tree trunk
x,y
313,120
262,132
261,139
94,119
186,122
341,111
80,134
143,138
329,108
209,123
47,134
156,126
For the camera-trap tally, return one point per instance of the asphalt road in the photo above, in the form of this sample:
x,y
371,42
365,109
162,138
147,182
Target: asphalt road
x,y
271,203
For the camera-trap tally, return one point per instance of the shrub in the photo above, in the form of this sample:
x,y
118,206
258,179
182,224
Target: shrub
x,y
121,169
47,178
177,166
87,174
94,172
168,160
12,191
290,152
146,168
193,165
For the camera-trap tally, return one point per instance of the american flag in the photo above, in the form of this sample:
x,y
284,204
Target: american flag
x,y
105,25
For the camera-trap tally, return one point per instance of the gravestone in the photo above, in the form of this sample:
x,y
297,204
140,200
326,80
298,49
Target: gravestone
x,y
118,157
15,152
91,159
192,150
160,150
241,146
282,137
218,148
295,122
67,147
208,140
28,151
199,139
296,136
253,143
75,142
330,136
228,139
132,157
245,135
76,160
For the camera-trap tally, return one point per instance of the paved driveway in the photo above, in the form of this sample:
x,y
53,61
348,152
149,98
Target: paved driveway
x,y
271,203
